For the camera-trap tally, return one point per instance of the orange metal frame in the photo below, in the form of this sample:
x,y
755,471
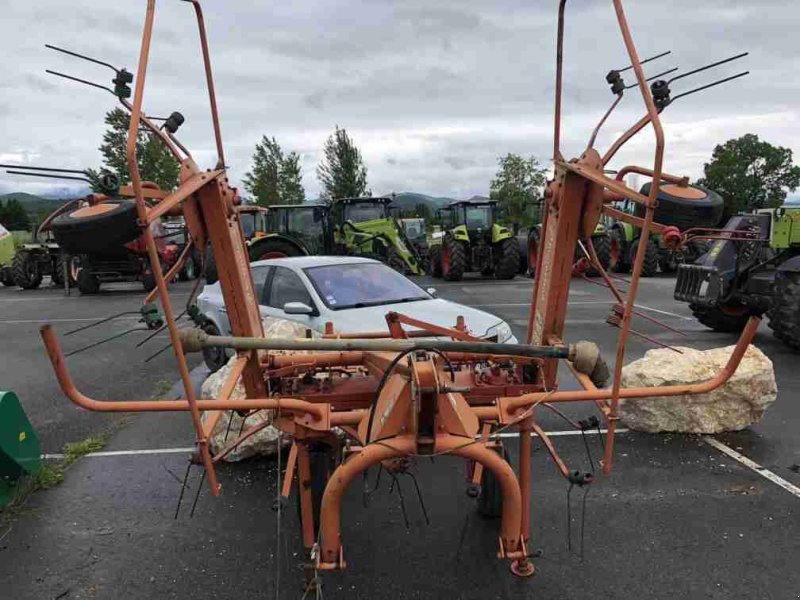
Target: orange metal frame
x,y
397,405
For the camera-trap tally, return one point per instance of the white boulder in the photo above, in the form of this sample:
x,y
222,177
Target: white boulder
x,y
229,424
737,404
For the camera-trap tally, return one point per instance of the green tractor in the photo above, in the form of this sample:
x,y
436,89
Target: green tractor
x,y
471,240
6,257
682,206
601,241
350,226
753,268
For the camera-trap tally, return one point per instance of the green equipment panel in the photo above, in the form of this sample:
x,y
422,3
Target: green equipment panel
x,y
20,453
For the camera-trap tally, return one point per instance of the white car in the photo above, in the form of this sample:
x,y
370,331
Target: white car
x,y
353,293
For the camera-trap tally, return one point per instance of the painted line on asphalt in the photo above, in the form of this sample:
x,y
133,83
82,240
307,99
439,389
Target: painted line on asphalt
x,y
567,432
156,451
751,464
26,321
526,304
665,312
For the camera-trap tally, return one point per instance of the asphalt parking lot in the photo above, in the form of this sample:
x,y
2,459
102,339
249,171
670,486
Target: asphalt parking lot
x,y
676,519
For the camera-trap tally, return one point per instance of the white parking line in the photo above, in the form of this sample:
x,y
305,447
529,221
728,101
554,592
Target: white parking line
x,y
567,432
152,451
526,304
751,464
664,312
76,320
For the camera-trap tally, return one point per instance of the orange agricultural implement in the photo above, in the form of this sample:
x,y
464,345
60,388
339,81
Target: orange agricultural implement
x,y
387,396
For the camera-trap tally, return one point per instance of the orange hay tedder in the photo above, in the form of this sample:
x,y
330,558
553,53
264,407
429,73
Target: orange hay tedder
x,y
396,394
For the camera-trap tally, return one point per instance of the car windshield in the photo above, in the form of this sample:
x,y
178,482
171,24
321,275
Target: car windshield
x,y
364,211
357,285
478,217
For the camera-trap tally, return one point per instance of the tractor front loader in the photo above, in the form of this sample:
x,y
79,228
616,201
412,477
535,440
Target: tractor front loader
x,y
751,268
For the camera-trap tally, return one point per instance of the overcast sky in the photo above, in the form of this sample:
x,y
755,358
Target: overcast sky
x,y
432,92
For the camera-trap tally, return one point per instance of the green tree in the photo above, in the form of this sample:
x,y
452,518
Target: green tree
x,y
750,174
423,211
342,172
274,178
13,216
154,159
517,186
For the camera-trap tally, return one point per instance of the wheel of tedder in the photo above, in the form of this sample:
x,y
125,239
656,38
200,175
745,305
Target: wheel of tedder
x,y
506,259
784,315
26,271
96,228
88,282
454,259
490,500
684,206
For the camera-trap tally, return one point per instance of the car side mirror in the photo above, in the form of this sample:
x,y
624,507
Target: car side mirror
x,y
297,308
431,291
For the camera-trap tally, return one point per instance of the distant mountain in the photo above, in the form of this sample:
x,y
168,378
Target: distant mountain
x,y
34,205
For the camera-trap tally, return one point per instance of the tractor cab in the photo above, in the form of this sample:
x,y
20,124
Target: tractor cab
x,y
360,210
477,218
305,223
253,219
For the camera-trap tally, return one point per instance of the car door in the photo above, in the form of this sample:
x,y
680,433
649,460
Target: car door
x,y
286,286
260,276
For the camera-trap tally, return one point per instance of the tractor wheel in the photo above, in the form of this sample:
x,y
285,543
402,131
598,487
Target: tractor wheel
x,y
61,261
454,259
602,247
88,282
617,257
272,247
98,227
506,259
26,271
490,501
210,267
650,265
725,319
784,315
667,261
7,277
395,261
533,250
435,261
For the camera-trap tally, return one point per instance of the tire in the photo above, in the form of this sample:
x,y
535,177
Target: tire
x,y
25,270
720,318
705,210
95,229
650,264
211,267
189,269
6,277
454,259
88,282
507,259
490,501
149,278
784,315
617,254
395,261
435,261
214,357
602,247
273,247
667,261
58,270
534,237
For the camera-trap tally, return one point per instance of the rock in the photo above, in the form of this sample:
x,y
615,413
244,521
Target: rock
x,y
737,404
229,424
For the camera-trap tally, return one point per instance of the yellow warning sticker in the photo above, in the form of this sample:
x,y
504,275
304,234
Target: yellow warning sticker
x,y
22,436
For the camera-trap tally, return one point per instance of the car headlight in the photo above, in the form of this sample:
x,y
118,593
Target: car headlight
x,y
501,332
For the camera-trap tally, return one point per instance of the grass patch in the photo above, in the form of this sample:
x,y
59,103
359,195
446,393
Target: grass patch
x,y
49,475
161,389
